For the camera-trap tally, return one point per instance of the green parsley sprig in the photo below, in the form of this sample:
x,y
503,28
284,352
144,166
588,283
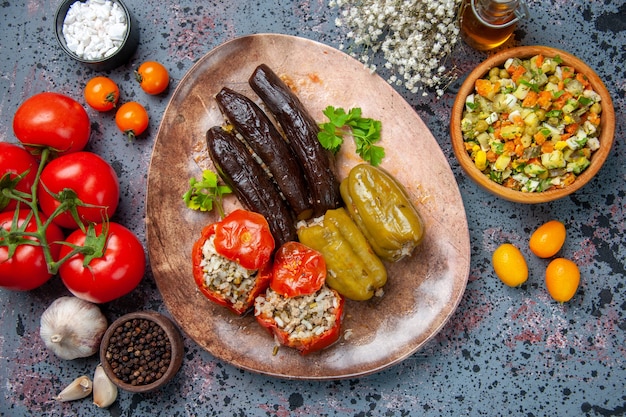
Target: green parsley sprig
x,y
365,131
203,194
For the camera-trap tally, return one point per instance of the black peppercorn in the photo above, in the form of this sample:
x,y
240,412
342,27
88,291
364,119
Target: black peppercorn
x,y
139,352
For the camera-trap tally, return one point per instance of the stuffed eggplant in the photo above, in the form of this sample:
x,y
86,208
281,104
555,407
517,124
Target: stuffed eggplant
x,y
269,145
301,131
249,181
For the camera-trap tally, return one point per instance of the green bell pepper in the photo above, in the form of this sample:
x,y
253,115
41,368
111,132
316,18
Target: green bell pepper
x,y
353,270
381,208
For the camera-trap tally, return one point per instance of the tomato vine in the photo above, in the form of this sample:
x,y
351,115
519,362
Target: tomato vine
x,y
17,235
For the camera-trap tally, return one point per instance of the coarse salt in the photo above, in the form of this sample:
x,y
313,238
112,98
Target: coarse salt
x,y
94,29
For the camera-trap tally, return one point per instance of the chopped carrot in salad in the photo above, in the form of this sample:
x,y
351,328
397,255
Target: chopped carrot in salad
x,y
533,124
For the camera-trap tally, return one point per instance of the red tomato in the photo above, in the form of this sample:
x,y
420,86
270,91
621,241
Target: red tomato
x,y
305,344
27,268
114,274
53,120
244,237
92,179
262,279
14,161
298,270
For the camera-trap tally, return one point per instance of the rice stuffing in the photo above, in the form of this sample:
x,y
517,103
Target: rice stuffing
x,y
302,317
225,277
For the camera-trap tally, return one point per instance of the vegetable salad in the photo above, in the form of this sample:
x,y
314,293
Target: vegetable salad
x,y
533,124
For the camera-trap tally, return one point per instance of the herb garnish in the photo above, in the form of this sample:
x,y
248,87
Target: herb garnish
x,y
365,132
202,194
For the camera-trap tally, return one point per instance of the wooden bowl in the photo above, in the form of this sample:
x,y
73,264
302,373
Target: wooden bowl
x,y
176,356
607,126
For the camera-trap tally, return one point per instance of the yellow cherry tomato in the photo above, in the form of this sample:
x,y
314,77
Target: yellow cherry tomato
x,y
510,265
101,93
153,77
548,239
562,279
132,119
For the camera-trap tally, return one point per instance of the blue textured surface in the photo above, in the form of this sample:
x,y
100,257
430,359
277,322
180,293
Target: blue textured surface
x,y
504,352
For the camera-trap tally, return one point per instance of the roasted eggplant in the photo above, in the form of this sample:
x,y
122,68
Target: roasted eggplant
x,y
269,145
250,183
301,132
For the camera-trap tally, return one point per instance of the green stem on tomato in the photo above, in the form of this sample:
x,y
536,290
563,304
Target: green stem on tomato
x,y
34,206
16,195
90,249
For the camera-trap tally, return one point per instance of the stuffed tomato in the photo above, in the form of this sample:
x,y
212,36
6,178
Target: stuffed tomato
x,y
232,260
298,309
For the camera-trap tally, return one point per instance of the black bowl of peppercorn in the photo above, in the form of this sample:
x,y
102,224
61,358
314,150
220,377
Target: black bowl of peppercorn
x,y
141,351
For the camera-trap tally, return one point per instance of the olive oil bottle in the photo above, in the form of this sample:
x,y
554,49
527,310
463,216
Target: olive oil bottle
x,y
487,24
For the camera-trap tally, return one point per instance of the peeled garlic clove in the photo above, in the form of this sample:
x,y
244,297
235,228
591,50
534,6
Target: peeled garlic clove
x,y
79,388
104,391
72,328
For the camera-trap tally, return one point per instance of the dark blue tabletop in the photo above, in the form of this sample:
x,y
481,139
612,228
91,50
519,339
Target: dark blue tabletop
x,y
504,352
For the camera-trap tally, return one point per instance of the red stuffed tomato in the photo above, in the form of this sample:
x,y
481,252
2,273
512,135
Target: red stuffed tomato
x,y
307,323
52,120
91,178
104,278
298,270
298,309
231,260
244,237
15,161
26,269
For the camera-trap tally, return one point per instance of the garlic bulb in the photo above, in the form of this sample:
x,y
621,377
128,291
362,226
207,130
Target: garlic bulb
x,y
79,388
104,391
72,328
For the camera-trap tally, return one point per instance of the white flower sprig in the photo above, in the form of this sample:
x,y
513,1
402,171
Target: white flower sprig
x,y
414,36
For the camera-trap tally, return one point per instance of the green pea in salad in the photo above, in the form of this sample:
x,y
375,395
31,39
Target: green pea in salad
x,y
532,124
